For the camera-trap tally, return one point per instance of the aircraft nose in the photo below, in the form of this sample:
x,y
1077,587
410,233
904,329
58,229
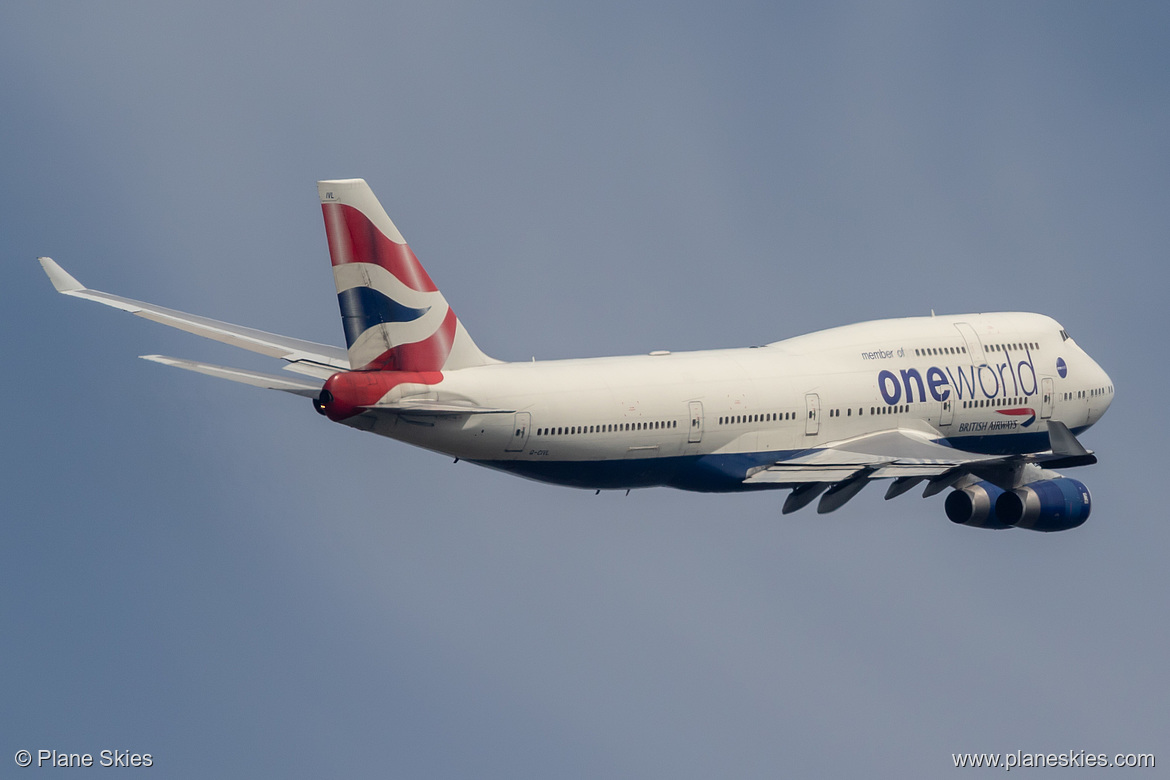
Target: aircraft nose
x,y
1106,385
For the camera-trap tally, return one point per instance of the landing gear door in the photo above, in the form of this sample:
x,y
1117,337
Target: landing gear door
x,y
696,430
1046,393
520,426
812,420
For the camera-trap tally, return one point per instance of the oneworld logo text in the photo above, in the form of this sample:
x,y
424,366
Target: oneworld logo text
x,y
1014,377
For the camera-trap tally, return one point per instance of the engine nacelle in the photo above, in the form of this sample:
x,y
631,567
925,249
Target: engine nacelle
x,y
1048,505
975,506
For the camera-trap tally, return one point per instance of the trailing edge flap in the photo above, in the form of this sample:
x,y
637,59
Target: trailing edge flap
x,y
893,453
290,349
434,407
256,379
908,453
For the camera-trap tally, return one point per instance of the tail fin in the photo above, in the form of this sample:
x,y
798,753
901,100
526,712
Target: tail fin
x,y
394,316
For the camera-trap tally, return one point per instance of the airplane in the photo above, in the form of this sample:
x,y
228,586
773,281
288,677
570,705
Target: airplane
x,y
985,405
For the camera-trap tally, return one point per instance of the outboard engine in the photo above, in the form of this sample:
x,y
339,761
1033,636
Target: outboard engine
x,y
1047,505
975,505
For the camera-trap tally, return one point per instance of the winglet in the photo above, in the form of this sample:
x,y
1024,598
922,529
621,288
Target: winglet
x,y
1066,450
62,281
1063,442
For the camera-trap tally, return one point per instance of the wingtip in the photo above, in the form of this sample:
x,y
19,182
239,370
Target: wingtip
x,y
62,281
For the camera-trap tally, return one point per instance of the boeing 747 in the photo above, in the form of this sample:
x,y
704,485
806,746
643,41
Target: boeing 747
x,y
983,405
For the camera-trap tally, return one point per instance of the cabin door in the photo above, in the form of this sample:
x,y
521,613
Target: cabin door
x,y
1046,393
520,427
696,432
812,410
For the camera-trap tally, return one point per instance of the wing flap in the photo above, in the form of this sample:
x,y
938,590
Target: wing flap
x,y
795,474
908,457
885,454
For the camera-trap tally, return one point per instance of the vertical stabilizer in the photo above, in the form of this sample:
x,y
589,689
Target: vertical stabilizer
x,y
394,317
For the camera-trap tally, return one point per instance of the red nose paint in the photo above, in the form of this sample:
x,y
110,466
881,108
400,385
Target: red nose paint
x,y
353,390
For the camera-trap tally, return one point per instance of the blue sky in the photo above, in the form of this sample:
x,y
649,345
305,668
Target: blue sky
x,y
218,576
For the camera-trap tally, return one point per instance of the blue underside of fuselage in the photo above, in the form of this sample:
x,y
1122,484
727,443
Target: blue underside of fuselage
x,y
720,473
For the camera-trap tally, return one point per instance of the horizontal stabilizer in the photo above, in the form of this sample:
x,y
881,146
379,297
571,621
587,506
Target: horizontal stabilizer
x,y
311,368
434,407
254,378
238,336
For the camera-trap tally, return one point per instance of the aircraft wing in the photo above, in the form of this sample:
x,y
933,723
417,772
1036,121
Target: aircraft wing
x,y
306,357
841,469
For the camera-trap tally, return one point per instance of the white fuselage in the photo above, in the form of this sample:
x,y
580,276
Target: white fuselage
x,y
700,420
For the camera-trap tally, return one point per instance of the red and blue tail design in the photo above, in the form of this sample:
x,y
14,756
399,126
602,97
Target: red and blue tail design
x,y
395,318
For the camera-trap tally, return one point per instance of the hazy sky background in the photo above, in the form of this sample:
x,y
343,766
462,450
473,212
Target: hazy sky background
x,y
218,576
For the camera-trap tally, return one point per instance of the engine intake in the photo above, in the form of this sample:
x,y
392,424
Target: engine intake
x,y
975,505
1048,505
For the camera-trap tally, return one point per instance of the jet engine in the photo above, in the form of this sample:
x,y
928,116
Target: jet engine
x,y
975,505
1047,505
